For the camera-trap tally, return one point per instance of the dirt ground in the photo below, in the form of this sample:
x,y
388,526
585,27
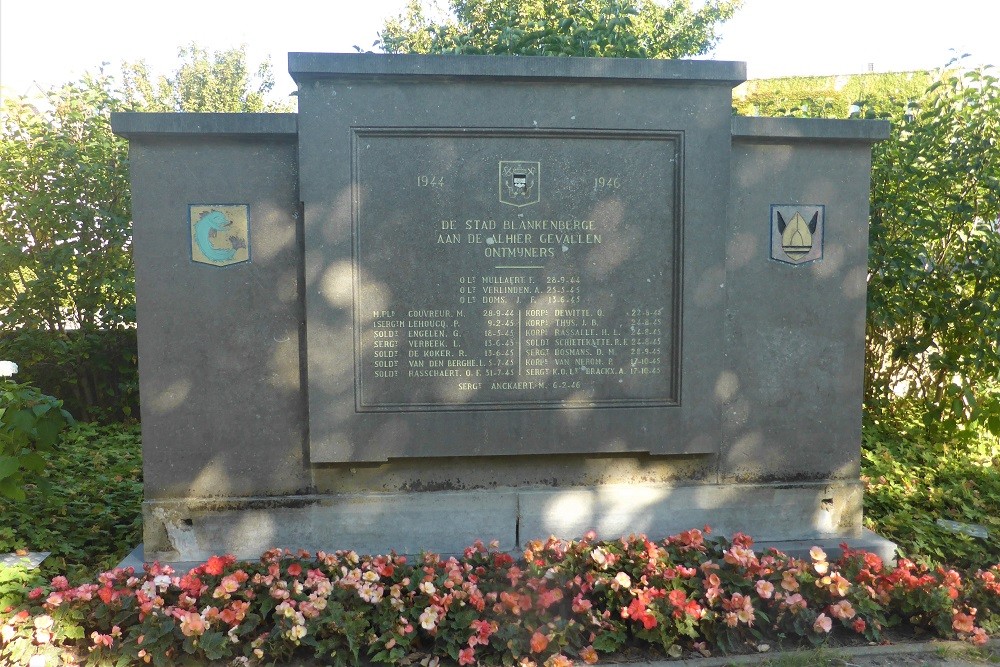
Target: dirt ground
x,y
902,654
931,654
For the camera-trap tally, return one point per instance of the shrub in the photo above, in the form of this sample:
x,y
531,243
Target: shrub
x,y
30,422
90,516
934,270
913,480
561,602
94,371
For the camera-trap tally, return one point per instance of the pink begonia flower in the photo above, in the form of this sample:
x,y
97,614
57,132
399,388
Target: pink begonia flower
x,y
467,656
765,589
964,622
843,610
823,623
429,618
623,580
192,624
817,554
796,602
789,582
558,660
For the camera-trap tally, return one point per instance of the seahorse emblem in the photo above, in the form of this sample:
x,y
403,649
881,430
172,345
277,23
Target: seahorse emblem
x,y
220,233
208,227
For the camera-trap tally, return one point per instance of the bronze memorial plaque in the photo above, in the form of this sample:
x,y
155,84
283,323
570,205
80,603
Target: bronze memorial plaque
x,y
512,269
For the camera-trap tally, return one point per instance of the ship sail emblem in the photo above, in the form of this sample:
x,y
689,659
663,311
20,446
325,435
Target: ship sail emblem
x,y
797,233
520,182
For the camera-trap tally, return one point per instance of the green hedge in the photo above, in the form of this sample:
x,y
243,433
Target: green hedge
x,y
875,95
94,372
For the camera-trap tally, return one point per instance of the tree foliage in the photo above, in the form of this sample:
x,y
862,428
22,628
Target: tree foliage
x,y
934,274
65,241
933,330
604,28
67,290
217,82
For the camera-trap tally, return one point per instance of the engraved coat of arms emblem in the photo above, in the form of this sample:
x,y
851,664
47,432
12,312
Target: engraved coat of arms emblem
x,y
797,233
520,182
220,233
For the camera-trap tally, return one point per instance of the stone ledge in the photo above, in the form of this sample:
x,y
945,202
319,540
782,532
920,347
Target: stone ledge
x,y
347,66
448,521
784,130
143,125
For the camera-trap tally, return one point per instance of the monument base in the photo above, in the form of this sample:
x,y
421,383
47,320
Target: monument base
x,y
192,530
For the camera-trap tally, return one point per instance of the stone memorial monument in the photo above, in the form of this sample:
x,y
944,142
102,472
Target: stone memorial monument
x,y
472,297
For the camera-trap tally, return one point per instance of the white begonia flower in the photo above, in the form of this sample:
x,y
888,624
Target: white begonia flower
x,y
7,369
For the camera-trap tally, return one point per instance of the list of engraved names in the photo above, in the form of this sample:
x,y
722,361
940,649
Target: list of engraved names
x,y
508,271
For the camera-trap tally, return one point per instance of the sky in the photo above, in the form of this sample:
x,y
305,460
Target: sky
x,y
46,43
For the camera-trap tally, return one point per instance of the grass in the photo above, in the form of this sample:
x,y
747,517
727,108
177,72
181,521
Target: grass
x,y
821,657
973,654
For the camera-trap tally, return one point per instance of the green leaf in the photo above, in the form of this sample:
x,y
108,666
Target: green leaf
x,y
33,462
9,465
215,645
10,489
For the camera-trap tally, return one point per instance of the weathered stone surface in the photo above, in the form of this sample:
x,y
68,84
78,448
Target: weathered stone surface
x,y
192,530
664,351
219,351
795,334
450,203
449,521
777,512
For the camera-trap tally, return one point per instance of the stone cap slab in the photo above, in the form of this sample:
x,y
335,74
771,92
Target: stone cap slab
x,y
783,130
132,125
370,66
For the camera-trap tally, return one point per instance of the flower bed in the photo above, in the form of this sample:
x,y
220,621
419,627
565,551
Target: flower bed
x,y
561,603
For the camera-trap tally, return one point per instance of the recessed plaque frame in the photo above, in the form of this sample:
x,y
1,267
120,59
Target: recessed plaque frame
x,y
575,284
